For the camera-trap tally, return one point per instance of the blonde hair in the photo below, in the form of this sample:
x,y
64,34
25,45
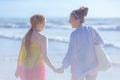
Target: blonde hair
x,y
80,13
34,20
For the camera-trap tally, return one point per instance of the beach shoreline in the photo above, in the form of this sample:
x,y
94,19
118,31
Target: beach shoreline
x,y
58,33
8,64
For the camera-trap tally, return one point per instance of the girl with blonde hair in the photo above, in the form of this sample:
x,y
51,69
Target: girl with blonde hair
x,y
33,53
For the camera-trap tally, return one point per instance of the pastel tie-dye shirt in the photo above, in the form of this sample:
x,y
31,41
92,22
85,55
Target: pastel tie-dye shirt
x,y
32,66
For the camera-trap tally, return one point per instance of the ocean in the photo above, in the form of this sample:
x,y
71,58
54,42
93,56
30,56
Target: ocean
x,y
57,30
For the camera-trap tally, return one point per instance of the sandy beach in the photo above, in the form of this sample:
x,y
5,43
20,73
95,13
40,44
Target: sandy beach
x,y
58,32
103,16
8,61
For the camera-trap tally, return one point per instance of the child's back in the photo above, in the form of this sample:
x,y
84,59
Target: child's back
x,y
32,67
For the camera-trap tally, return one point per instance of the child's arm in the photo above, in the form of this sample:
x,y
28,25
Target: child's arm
x,y
44,46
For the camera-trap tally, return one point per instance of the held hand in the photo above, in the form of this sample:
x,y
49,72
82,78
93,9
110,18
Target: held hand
x,y
60,70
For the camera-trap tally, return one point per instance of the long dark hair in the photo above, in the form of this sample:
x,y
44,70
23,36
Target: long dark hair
x,y
80,13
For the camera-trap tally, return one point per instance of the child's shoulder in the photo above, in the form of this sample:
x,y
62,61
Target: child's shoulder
x,y
23,39
42,36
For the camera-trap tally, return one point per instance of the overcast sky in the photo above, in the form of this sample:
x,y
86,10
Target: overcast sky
x,y
58,8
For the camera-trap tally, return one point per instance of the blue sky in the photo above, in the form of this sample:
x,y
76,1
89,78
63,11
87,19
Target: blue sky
x,y
58,8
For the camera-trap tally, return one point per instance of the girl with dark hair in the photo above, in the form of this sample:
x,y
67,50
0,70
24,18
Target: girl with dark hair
x,y
81,55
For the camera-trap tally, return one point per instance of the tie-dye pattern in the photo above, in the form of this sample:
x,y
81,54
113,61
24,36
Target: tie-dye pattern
x,y
31,67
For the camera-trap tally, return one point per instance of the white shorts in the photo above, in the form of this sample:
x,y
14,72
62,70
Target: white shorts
x,y
91,75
